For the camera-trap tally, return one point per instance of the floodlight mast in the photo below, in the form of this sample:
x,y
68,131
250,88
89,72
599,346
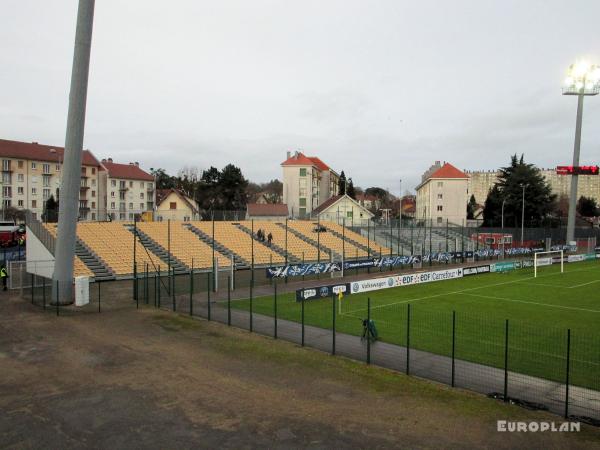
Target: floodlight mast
x,y
582,79
62,278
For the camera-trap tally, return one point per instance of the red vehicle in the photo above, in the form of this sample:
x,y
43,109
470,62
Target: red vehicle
x,y
10,234
493,240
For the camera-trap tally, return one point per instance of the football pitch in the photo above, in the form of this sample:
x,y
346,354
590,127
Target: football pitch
x,y
469,315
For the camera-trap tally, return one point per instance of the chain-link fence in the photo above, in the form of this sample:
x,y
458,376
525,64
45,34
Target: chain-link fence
x,y
518,362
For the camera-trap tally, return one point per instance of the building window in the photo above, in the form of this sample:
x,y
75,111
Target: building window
x,y
440,196
93,193
302,191
302,212
439,220
93,182
173,205
186,219
33,191
33,166
6,164
302,202
440,184
131,184
93,204
46,194
45,168
83,171
112,205
149,185
93,216
6,203
121,216
142,206
20,164
6,178
439,207
142,184
131,206
121,195
113,183
141,195
20,190
93,171
302,172
20,177
34,203
112,194
57,167
46,181
349,214
20,203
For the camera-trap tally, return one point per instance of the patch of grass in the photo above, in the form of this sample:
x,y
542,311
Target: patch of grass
x,y
539,310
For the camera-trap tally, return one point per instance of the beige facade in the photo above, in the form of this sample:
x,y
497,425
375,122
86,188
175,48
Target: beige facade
x,y
129,190
307,182
442,195
176,206
344,210
480,182
31,173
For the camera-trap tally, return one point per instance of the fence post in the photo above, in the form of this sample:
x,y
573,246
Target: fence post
x,y
32,284
302,314
368,330
408,339
229,300
208,278
506,361
173,288
147,286
57,302
453,347
251,286
568,373
275,311
44,293
333,324
99,297
159,288
192,289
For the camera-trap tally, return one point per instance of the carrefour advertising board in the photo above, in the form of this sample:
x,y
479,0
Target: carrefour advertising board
x,y
375,284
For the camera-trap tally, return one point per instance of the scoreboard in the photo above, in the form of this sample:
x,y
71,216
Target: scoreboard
x,y
577,170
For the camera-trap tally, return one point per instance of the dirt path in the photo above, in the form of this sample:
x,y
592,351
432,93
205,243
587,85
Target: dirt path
x,y
133,379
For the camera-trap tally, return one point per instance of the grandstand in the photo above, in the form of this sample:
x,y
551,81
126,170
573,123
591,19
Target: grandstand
x,y
105,250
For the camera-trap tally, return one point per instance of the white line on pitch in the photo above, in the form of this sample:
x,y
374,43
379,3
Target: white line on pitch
x,y
583,284
534,303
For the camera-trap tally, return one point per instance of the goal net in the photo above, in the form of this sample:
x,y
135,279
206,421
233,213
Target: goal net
x,y
541,259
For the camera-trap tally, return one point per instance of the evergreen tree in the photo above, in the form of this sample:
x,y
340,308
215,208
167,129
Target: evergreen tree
x,y
540,203
50,210
342,184
350,191
471,208
587,207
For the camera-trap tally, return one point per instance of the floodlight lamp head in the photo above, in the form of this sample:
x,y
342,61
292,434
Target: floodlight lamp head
x,y
583,78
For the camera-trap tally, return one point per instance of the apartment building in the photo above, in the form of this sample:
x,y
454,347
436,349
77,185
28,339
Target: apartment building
x,y
481,181
442,195
31,173
130,191
307,183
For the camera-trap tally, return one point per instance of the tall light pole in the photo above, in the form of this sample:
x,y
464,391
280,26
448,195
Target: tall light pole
x,y
502,226
582,79
62,278
523,186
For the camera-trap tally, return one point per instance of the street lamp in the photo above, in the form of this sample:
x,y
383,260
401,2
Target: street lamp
x,y
502,226
523,186
582,79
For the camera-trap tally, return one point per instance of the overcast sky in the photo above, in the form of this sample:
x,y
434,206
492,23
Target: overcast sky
x,y
380,89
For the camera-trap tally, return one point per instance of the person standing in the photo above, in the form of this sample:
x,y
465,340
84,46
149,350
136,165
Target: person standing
x,y
4,276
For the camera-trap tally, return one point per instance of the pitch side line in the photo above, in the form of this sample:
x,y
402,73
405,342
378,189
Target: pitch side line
x,y
465,290
583,284
534,303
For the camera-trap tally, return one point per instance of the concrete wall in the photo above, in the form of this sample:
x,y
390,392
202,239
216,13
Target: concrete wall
x,y
39,260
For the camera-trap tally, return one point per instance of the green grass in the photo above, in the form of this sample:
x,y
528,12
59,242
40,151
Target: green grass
x,y
539,310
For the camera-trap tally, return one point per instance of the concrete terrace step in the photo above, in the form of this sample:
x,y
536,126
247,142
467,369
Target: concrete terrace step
x,y
93,262
335,255
276,248
149,243
239,261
